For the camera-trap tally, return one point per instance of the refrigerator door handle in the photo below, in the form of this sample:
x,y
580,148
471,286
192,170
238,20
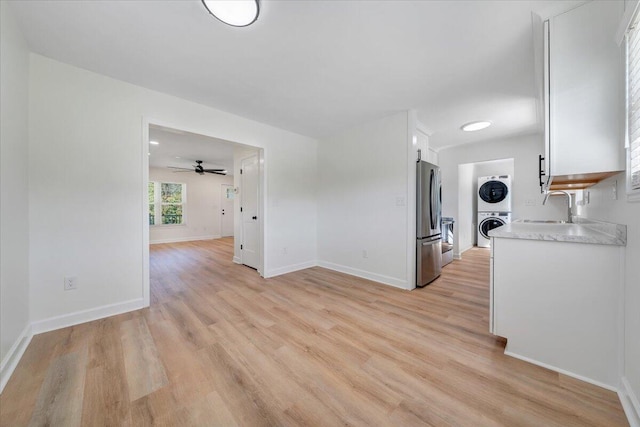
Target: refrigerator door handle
x,y
439,199
431,201
432,242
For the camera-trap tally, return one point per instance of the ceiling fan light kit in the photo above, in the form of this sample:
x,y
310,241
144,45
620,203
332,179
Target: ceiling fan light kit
x,y
237,13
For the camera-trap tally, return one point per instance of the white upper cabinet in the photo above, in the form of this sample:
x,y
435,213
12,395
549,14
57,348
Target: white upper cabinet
x,y
421,142
584,94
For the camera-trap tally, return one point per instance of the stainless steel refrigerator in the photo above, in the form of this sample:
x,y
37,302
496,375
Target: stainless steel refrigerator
x,y
429,218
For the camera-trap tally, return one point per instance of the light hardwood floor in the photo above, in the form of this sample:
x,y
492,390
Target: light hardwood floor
x,y
221,346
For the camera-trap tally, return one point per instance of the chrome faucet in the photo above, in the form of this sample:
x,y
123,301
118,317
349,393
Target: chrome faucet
x,y
566,193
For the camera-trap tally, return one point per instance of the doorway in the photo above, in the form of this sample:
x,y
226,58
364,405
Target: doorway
x,y
184,166
227,195
466,235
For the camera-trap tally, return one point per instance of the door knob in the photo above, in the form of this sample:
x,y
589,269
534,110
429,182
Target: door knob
x,y
255,217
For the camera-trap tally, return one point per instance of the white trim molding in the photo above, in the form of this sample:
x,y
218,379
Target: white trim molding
x,y
458,255
183,239
83,316
14,355
630,403
561,371
289,269
629,10
385,280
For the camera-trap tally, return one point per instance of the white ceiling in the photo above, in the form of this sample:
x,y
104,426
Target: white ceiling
x,y
313,67
182,149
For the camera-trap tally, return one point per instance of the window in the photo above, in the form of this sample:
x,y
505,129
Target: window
x,y
230,194
166,200
633,108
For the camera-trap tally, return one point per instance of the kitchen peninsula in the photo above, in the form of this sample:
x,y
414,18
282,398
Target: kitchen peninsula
x,y
556,295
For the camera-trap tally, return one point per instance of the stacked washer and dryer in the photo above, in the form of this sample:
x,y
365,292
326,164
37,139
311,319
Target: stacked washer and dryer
x,y
494,205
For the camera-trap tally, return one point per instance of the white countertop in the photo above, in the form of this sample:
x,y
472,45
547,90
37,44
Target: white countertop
x,y
581,231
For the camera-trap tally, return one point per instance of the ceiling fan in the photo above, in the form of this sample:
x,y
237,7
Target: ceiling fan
x,y
199,169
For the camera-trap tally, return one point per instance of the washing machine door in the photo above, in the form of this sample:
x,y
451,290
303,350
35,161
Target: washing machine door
x,y
489,224
493,191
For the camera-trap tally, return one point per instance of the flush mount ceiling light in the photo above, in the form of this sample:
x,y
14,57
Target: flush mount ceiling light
x,y
237,13
473,126
154,142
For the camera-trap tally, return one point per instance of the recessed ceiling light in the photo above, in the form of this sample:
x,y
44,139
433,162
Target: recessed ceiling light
x,y
237,13
473,126
178,157
149,153
154,142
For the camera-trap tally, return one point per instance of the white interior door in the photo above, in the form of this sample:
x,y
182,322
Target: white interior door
x,y
249,179
226,210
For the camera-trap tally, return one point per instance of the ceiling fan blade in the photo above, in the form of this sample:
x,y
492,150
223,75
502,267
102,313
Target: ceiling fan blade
x,y
174,167
186,170
217,173
214,170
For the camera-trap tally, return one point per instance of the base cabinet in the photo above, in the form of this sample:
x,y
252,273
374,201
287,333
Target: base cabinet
x,y
559,305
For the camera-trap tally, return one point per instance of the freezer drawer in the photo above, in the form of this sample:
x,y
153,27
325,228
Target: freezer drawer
x,y
429,265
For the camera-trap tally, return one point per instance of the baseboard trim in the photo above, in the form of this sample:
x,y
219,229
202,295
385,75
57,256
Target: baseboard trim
x,y
458,255
465,249
237,260
183,239
14,355
562,371
380,278
630,403
83,316
290,268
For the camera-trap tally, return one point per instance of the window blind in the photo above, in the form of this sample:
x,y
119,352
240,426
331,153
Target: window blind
x,y
633,98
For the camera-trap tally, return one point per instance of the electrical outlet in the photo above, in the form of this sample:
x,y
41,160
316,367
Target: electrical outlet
x,y
400,201
365,254
70,282
529,202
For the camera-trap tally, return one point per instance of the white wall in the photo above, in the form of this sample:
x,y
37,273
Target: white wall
x,y
86,184
362,201
603,207
465,219
14,201
202,210
526,197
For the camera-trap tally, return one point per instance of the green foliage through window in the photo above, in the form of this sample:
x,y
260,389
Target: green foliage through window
x,y
171,193
167,200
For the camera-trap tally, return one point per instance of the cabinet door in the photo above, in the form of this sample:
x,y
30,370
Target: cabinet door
x,y
586,90
545,103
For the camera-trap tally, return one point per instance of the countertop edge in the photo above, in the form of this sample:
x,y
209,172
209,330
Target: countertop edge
x,y
591,232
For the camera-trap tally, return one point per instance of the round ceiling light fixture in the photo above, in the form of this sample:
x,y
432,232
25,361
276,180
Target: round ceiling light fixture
x,y
474,126
237,13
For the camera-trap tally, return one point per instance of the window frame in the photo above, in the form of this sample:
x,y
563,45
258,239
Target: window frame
x,y
158,203
632,17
